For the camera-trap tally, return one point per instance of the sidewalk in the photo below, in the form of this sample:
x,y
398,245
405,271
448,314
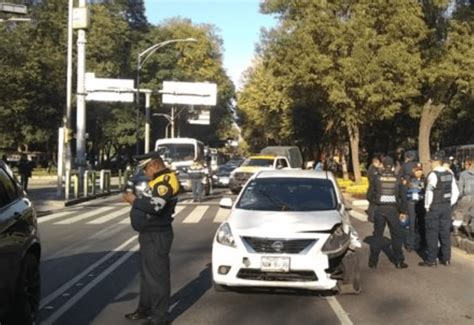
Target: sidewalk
x,y
360,206
42,191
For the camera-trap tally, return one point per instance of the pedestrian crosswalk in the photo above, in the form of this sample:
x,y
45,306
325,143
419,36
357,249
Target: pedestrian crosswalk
x,y
118,213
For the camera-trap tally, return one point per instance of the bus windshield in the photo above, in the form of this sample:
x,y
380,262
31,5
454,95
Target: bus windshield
x,y
177,151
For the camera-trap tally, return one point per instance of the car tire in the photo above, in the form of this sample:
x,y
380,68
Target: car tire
x,y
350,284
219,287
28,290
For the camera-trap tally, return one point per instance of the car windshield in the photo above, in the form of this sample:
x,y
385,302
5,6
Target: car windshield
x,y
177,151
258,162
288,194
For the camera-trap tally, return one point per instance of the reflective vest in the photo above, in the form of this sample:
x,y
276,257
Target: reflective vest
x,y
386,188
416,189
442,191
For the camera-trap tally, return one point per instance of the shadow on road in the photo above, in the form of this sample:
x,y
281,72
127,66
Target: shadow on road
x,y
386,247
188,295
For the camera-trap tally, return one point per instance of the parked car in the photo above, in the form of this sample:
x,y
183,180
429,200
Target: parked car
x,y
290,229
20,253
220,177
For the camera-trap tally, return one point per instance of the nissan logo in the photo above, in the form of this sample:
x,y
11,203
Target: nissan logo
x,y
277,245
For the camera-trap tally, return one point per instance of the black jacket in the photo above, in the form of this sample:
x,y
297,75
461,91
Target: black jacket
x,y
153,212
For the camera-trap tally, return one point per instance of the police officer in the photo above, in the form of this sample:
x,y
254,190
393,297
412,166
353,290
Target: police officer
x,y
372,173
386,195
413,192
151,215
441,194
465,207
197,173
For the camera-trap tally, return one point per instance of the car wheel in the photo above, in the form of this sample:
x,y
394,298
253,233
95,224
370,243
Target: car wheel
x,y
350,284
28,291
219,287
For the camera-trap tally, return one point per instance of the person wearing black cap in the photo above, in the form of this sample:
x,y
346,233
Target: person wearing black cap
x,y
413,191
441,194
386,195
151,215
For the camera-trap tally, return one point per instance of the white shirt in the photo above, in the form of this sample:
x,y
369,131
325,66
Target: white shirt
x,y
431,183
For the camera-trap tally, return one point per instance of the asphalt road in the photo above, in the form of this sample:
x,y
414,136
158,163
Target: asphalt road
x,y
89,271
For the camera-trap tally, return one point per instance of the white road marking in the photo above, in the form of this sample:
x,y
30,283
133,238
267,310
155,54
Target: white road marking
x,y
196,215
358,215
70,283
340,313
125,221
221,215
55,216
83,216
56,315
110,216
177,210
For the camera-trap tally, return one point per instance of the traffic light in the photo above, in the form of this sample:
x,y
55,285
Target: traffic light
x,y
68,135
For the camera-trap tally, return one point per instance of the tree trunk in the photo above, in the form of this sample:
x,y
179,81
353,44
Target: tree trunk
x,y
429,114
345,174
354,138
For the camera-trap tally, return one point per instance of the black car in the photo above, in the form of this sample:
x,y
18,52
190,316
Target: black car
x,y
20,252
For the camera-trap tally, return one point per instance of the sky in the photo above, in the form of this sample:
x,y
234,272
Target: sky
x,y
238,21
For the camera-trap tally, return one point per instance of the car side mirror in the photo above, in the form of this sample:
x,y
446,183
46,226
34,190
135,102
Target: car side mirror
x,y
226,203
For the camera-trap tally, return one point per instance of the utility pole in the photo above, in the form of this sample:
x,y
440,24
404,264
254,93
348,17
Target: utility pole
x,y
81,94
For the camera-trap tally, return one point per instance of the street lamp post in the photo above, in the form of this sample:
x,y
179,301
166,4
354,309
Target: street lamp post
x,y
145,55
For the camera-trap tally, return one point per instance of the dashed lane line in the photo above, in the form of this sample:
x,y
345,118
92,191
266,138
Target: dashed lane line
x,y
45,301
339,311
54,317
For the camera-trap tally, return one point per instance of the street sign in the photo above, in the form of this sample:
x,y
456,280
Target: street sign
x,y
13,8
189,93
109,90
80,18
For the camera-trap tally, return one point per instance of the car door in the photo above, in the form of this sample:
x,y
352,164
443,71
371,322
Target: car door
x,y
16,219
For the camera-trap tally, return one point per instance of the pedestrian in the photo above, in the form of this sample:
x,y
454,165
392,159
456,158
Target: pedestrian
x,y
464,211
372,173
441,194
413,191
454,166
197,174
151,216
24,169
386,192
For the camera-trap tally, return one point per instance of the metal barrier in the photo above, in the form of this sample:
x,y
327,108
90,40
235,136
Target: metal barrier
x,y
89,182
105,177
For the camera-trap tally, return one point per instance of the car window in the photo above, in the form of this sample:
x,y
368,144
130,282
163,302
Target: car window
x,y
8,192
282,163
288,194
258,162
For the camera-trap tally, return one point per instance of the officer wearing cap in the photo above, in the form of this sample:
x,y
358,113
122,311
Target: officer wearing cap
x,y
413,191
441,194
151,215
386,195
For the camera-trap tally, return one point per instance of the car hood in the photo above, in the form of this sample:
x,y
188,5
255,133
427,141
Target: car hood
x,y
270,223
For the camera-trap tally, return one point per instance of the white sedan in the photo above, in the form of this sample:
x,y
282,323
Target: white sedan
x,y
287,229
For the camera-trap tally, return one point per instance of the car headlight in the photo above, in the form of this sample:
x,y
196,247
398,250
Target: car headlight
x,y
231,175
337,243
224,236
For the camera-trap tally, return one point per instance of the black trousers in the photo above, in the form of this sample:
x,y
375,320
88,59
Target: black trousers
x,y
386,215
438,228
155,286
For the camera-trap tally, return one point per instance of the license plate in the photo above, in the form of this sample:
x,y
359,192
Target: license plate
x,y
275,264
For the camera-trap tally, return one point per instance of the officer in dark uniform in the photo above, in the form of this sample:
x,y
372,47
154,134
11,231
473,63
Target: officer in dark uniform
x,y
413,192
386,195
372,173
441,194
151,215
